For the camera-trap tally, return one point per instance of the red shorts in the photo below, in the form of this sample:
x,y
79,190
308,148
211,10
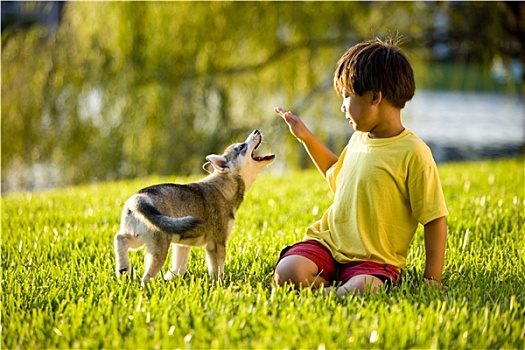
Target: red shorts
x,y
332,271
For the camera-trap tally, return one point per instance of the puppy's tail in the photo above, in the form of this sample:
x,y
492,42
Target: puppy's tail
x,y
182,226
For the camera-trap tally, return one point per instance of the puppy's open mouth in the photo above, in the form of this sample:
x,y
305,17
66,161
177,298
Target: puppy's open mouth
x,y
266,157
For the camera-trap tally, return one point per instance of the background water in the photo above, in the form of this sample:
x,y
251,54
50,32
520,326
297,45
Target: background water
x,y
467,126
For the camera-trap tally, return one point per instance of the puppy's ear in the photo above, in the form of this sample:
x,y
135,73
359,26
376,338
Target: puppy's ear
x,y
208,167
220,163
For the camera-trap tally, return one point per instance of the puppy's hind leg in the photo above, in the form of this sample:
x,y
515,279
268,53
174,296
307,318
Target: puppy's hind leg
x,y
179,264
121,243
156,253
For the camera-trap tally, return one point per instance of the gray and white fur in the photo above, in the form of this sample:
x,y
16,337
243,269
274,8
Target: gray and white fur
x,y
185,215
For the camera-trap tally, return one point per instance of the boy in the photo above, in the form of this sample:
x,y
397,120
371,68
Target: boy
x,y
385,182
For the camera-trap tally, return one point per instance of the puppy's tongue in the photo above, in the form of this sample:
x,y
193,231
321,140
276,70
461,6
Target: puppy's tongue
x,y
262,158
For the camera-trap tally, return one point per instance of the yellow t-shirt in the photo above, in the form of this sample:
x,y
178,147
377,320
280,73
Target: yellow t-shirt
x,y
382,189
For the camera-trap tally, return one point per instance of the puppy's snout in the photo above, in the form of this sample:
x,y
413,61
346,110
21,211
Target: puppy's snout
x,y
255,135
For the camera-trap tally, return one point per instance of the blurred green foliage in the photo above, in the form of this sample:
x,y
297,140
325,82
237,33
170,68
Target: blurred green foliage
x,y
127,89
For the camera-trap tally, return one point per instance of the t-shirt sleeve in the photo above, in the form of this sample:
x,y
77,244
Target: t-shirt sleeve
x,y
426,194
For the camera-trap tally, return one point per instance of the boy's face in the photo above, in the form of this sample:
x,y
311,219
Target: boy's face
x,y
359,110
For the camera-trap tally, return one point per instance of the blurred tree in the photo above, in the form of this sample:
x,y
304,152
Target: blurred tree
x,y
514,24
126,89
477,33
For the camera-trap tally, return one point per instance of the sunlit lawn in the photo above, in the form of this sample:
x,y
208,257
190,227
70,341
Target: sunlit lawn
x,y
59,288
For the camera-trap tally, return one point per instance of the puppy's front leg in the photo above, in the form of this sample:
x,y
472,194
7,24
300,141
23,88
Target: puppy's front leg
x,y
215,256
179,264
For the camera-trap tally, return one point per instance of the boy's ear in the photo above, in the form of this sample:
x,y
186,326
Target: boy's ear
x,y
377,96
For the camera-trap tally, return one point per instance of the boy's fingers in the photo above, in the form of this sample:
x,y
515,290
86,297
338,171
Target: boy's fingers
x,y
279,110
288,116
285,114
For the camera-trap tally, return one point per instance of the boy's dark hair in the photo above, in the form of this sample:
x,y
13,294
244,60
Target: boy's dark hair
x,y
376,65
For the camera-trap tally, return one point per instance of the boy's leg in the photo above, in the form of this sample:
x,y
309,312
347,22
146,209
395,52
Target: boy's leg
x,y
300,271
365,277
305,264
360,284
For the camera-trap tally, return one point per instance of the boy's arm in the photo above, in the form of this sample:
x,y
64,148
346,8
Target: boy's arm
x,y
435,243
322,157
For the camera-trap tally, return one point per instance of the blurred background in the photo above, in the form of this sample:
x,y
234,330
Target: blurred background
x,y
100,91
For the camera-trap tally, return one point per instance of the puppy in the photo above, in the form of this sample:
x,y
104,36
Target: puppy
x,y
195,214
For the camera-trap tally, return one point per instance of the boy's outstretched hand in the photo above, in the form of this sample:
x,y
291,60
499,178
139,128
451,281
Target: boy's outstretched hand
x,y
296,125
322,157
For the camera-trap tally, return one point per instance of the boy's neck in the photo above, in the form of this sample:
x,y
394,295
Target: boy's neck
x,y
390,125
394,133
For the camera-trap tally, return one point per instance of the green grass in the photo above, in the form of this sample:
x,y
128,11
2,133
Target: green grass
x,y
59,288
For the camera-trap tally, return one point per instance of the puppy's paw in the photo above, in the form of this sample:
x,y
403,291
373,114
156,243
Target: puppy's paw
x,y
171,276
145,280
124,271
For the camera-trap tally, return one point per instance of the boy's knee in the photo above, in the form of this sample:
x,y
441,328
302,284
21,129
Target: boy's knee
x,y
278,279
284,273
294,270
